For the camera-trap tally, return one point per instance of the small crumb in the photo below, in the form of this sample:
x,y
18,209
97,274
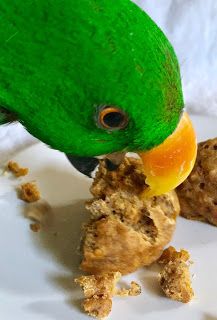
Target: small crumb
x,y
170,254
29,192
99,290
99,285
35,227
16,169
98,307
135,290
175,278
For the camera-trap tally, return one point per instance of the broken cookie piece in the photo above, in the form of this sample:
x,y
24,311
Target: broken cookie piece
x,y
125,231
175,278
170,254
99,285
29,192
16,169
198,193
99,290
129,177
134,290
98,307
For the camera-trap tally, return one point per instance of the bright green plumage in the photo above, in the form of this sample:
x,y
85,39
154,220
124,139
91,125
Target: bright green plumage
x,y
62,59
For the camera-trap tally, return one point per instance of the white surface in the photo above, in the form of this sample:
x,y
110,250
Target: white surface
x,y
191,26
37,270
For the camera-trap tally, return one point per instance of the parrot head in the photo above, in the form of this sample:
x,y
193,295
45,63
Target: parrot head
x,y
96,77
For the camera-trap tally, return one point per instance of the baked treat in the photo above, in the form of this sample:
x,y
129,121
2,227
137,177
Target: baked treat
x,y
98,293
175,278
99,285
128,177
99,290
98,307
198,194
29,192
125,231
16,169
170,254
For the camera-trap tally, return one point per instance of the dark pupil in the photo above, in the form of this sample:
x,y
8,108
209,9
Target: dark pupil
x,y
113,119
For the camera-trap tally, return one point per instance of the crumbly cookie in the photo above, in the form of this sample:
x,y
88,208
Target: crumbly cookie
x,y
175,278
128,177
126,232
198,194
98,292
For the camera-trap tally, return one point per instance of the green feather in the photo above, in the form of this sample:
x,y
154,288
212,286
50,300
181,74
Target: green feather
x,y
62,59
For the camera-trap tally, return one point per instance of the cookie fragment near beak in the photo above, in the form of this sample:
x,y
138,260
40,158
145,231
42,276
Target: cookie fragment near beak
x,y
169,164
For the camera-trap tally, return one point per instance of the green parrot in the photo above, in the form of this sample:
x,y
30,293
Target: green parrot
x,y
91,78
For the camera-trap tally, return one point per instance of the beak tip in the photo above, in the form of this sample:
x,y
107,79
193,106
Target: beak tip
x,y
169,164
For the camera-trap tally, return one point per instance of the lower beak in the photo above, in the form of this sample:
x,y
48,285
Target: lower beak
x,y
169,164
84,165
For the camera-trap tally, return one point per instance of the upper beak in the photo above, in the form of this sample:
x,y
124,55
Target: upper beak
x,y
169,164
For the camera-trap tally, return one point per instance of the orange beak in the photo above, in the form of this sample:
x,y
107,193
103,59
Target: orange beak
x,y
169,164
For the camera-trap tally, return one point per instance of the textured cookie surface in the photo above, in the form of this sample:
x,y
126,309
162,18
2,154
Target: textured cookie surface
x,y
198,194
126,231
175,277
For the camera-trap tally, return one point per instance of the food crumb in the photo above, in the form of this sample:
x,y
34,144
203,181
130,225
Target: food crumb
x,y
35,227
175,278
29,192
135,290
170,254
16,169
99,290
98,307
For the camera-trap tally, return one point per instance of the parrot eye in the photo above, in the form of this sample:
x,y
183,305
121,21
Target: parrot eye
x,y
112,118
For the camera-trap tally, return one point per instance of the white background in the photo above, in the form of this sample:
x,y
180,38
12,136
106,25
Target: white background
x,y
191,26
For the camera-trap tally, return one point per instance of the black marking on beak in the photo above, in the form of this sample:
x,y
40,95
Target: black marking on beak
x,y
85,165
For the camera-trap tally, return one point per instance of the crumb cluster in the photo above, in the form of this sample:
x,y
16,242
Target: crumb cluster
x,y
175,277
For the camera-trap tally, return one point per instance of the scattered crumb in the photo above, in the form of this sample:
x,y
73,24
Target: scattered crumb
x,y
170,254
175,278
99,290
29,192
16,169
99,285
35,227
135,290
98,307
